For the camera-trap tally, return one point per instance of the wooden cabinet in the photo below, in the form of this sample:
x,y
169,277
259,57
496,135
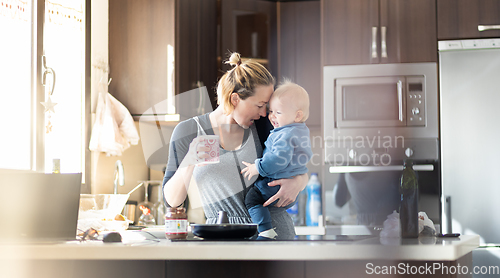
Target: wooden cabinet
x,y
248,27
160,46
300,51
461,19
379,31
196,53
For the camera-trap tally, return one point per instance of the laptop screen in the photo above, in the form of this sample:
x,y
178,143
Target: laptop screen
x,y
39,206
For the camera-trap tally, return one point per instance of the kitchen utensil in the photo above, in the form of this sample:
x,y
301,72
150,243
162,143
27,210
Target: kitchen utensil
x,y
129,210
222,218
224,230
135,188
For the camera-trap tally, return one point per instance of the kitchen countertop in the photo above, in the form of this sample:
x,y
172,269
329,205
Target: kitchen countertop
x,y
144,246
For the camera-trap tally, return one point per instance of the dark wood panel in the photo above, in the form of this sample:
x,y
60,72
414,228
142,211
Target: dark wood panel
x,y
308,56
230,10
208,48
138,39
387,268
196,45
347,31
287,34
230,269
458,19
411,30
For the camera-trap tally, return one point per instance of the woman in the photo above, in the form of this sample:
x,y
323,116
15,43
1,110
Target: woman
x,y
242,94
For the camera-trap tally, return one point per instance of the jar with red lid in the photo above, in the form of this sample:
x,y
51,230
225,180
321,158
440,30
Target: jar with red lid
x,y
176,223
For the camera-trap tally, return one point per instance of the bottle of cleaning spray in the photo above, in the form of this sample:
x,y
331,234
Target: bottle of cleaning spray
x,y
313,208
298,210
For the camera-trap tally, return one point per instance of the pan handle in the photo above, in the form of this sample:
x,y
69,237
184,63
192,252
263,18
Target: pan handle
x,y
222,218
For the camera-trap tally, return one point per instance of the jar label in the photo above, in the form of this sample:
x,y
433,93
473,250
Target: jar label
x,y
176,226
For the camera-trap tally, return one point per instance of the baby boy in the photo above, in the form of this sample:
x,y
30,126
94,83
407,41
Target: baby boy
x,y
287,151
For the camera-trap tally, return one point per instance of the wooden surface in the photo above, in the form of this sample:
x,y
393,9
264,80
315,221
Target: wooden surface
x,y
196,47
231,38
347,27
139,33
458,19
347,31
300,51
411,30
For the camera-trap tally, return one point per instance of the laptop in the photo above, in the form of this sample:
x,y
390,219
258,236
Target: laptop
x,y
39,207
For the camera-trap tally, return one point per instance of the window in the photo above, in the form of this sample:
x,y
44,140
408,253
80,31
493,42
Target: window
x,y
15,85
31,143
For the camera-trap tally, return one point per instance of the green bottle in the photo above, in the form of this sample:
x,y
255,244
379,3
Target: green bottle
x,y
408,209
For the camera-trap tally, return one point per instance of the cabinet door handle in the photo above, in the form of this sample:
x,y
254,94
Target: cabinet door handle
x,y
400,100
360,169
374,42
481,28
383,43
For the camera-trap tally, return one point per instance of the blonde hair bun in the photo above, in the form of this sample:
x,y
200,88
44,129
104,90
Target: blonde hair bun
x,y
241,80
235,59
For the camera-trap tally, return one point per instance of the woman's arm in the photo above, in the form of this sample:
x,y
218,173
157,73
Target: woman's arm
x,y
177,177
290,189
175,189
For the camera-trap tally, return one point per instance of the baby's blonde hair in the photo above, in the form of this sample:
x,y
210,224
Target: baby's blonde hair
x,y
242,79
297,96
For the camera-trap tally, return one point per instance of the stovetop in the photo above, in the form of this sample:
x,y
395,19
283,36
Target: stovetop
x,y
297,238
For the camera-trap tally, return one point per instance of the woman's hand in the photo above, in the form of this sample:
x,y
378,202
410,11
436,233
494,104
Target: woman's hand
x,y
290,189
196,153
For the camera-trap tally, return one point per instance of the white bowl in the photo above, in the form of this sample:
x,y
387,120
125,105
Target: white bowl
x,y
98,211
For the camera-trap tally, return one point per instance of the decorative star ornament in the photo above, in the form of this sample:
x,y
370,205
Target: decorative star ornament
x,y
49,105
48,127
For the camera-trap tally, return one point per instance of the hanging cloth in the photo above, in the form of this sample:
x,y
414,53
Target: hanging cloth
x,y
114,128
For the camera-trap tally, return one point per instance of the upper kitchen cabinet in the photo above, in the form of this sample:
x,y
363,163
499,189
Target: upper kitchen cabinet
x,y
379,31
248,27
300,50
158,48
464,19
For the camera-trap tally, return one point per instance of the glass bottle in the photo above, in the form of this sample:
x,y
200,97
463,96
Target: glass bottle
x,y
408,209
146,217
159,207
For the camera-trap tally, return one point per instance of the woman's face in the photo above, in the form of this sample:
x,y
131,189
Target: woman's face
x,y
254,107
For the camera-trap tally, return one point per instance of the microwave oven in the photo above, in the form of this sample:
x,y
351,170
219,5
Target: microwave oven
x,y
388,110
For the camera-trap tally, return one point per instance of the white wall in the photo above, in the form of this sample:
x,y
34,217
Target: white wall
x,y
102,166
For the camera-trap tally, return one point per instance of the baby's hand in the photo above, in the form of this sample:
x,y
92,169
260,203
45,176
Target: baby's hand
x,y
250,170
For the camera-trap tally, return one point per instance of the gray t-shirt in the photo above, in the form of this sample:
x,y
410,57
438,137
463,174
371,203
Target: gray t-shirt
x,y
221,186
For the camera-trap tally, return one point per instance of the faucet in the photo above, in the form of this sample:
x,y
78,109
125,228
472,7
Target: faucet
x,y
119,176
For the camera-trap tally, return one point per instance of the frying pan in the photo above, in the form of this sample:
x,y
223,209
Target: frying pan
x,y
224,230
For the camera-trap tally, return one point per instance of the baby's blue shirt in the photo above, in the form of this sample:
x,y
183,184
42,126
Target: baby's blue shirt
x,y
287,152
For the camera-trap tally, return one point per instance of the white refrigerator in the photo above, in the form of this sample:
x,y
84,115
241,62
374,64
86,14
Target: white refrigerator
x,y
470,137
